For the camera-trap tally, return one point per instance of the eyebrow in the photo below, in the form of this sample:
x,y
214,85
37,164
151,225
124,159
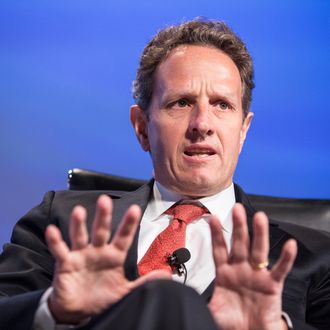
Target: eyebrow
x,y
172,95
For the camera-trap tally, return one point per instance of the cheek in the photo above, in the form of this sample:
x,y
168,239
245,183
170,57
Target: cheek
x,y
159,140
165,136
231,141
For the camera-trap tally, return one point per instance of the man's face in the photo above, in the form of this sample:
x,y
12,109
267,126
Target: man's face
x,y
195,128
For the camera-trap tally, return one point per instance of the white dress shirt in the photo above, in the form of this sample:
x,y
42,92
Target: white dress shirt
x,y
200,267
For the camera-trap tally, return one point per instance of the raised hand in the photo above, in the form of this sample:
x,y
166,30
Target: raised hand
x,y
247,295
90,277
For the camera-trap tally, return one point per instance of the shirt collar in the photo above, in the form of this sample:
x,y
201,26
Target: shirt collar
x,y
220,204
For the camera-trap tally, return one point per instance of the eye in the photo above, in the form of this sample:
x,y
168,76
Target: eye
x,y
182,103
223,105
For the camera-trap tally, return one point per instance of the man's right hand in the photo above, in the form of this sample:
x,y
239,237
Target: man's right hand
x,y
90,277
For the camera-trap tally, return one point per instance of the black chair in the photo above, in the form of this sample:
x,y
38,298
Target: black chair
x,y
312,213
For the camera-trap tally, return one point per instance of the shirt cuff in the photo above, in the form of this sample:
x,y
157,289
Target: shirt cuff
x,y
43,319
287,319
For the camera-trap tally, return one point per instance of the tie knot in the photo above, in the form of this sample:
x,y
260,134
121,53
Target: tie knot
x,y
187,212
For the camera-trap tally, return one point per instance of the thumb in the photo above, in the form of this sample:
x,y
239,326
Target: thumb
x,y
154,275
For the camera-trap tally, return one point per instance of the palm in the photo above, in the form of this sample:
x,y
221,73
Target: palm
x,y
93,277
243,298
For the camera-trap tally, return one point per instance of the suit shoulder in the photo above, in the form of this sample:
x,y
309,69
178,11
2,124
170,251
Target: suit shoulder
x,y
314,240
72,197
87,193
64,201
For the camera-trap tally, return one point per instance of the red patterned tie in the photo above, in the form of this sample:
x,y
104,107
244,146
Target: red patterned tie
x,y
171,238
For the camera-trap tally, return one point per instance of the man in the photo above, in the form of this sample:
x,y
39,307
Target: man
x,y
193,92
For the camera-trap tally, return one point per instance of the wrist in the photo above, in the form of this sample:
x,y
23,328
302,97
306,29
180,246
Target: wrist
x,y
284,325
63,315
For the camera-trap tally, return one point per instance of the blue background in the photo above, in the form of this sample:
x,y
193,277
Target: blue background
x,y
66,69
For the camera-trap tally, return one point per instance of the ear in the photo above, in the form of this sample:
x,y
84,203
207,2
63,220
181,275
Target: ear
x,y
139,121
245,127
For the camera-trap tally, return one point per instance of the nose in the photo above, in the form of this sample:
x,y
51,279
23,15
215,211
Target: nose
x,y
200,121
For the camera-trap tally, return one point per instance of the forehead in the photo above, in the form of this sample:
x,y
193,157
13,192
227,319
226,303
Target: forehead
x,y
190,63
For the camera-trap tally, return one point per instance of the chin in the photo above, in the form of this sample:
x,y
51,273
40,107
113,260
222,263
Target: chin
x,y
198,186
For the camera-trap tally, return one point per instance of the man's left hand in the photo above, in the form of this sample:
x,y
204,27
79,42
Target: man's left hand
x,y
247,295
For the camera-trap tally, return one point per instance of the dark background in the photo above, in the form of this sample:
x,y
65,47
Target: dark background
x,y
66,69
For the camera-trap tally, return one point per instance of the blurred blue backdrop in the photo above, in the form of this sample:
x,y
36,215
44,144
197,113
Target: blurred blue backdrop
x,y
66,69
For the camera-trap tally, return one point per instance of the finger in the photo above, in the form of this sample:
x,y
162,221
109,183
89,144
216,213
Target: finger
x,y
127,228
260,243
240,246
102,221
154,275
77,230
285,261
219,247
56,245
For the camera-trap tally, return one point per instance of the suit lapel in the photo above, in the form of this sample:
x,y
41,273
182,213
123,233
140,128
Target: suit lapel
x,y
141,198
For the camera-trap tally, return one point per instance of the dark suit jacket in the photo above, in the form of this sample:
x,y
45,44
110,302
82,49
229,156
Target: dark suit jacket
x,y
26,265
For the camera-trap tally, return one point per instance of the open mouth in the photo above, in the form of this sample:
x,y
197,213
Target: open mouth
x,y
201,152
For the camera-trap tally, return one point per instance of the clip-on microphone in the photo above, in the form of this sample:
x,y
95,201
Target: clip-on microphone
x,y
177,260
